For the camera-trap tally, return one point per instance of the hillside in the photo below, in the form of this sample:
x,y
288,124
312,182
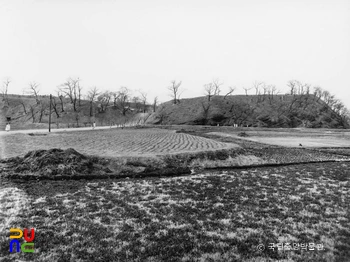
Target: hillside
x,y
251,110
28,112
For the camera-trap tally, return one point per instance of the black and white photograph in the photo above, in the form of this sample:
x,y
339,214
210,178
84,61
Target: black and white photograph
x,y
175,131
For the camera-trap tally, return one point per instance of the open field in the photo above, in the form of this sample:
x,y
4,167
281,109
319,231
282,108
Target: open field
x,y
231,215
110,142
220,216
306,140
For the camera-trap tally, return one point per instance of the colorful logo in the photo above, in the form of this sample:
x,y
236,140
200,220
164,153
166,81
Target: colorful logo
x,y
28,246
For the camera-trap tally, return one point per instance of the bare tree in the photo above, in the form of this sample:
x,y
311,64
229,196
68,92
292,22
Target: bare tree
x,y
77,117
339,107
246,89
271,92
175,91
136,100
24,106
298,88
104,99
34,91
155,102
32,112
327,97
115,99
292,87
123,101
61,97
209,90
206,109
144,101
55,106
318,93
80,88
265,89
71,89
230,91
44,105
257,86
217,84
92,96
4,90
240,112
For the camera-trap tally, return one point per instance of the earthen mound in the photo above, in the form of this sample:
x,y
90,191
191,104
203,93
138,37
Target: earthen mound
x,y
52,162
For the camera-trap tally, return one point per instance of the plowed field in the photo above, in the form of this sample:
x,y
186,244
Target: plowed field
x,y
110,143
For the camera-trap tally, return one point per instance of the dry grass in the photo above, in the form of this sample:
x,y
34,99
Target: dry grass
x,y
219,216
240,160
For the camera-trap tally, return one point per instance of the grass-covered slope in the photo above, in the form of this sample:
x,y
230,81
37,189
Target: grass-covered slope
x,y
251,110
27,113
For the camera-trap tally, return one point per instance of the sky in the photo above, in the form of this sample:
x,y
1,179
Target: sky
x,y
144,45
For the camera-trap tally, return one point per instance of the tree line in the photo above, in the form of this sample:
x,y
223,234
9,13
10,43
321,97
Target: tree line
x,y
263,104
71,92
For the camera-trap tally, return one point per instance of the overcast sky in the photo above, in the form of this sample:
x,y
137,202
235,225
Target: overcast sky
x,y
145,44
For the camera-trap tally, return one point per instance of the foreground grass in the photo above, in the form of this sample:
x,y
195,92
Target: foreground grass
x,y
219,216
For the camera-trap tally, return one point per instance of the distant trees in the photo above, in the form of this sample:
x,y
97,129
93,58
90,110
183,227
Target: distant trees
x,y
213,88
317,93
34,91
72,89
175,92
54,104
24,106
299,107
44,106
42,102
246,89
217,86
32,112
61,97
92,96
230,91
298,88
143,101
4,90
240,112
155,103
103,99
205,113
271,91
123,101
136,101
338,109
258,86
209,90
80,88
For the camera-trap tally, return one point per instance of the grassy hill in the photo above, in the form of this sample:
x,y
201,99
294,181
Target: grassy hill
x,y
28,112
251,110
